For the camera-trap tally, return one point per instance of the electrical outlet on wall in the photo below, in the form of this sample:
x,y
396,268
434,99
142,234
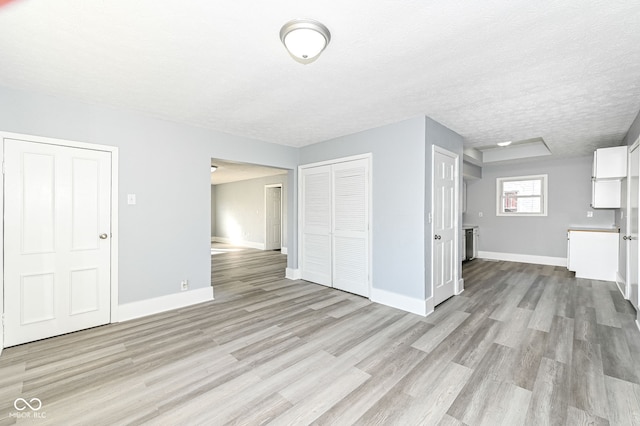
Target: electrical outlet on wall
x,y
479,214
184,285
589,213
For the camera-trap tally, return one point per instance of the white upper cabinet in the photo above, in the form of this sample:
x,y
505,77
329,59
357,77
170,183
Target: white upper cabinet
x,y
610,163
609,168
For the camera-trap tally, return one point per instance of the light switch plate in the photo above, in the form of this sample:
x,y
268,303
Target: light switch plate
x,y
131,199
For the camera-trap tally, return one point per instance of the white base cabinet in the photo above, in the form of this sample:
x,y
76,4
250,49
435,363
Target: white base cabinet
x,y
593,254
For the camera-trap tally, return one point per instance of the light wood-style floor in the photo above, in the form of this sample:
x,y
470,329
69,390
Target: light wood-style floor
x,y
524,344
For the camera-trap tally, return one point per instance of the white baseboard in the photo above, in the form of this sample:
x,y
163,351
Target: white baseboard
x,y
293,274
241,243
284,250
142,308
524,258
620,283
402,302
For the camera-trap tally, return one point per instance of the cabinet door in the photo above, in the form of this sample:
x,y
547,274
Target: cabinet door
x,y
606,194
610,163
593,254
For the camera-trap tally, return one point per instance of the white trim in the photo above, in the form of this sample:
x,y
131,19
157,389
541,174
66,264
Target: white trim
x,y
142,308
544,196
241,243
293,274
620,283
369,158
284,250
638,323
365,156
266,231
523,258
460,287
402,302
114,211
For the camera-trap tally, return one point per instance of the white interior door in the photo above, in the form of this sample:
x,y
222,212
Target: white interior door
x,y
315,224
351,227
57,240
444,226
632,226
273,217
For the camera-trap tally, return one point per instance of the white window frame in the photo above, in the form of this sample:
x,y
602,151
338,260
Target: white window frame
x,y
544,194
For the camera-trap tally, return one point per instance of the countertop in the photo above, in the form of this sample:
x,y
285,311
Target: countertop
x,y
593,229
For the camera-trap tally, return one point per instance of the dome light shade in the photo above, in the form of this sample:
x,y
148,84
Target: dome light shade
x,y
305,39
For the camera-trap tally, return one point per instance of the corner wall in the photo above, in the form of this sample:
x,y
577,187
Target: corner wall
x,y
165,237
439,135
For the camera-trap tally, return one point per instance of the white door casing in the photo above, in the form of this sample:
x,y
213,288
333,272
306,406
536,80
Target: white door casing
x,y
350,226
444,225
334,218
632,226
273,217
57,238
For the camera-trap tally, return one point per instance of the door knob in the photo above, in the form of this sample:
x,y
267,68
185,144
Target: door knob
x,y
103,236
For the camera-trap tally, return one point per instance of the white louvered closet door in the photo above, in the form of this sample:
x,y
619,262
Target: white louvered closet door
x,y
335,225
351,227
316,225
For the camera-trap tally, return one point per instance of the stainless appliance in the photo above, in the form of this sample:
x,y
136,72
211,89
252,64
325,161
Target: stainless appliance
x,y
469,244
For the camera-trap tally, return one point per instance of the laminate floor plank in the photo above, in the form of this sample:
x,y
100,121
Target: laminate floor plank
x,y
524,344
550,394
616,356
588,391
576,417
606,313
624,401
560,342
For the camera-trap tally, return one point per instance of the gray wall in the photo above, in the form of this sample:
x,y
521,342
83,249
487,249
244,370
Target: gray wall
x,y
241,205
398,170
569,200
439,135
165,237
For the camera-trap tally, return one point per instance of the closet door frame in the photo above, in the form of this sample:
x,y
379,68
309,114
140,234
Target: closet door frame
x,y
301,168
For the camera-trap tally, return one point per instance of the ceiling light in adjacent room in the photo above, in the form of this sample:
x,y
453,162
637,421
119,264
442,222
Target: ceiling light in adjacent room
x,y
305,39
214,168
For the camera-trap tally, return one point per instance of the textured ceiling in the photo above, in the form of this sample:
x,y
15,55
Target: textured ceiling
x,y
494,70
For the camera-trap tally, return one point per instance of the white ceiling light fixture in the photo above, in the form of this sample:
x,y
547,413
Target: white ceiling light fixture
x,y
214,168
305,39
506,143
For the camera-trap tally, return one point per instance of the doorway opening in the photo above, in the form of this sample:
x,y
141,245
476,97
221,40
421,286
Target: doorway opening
x,y
248,225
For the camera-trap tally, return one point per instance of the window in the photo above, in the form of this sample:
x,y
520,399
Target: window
x,y
522,196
